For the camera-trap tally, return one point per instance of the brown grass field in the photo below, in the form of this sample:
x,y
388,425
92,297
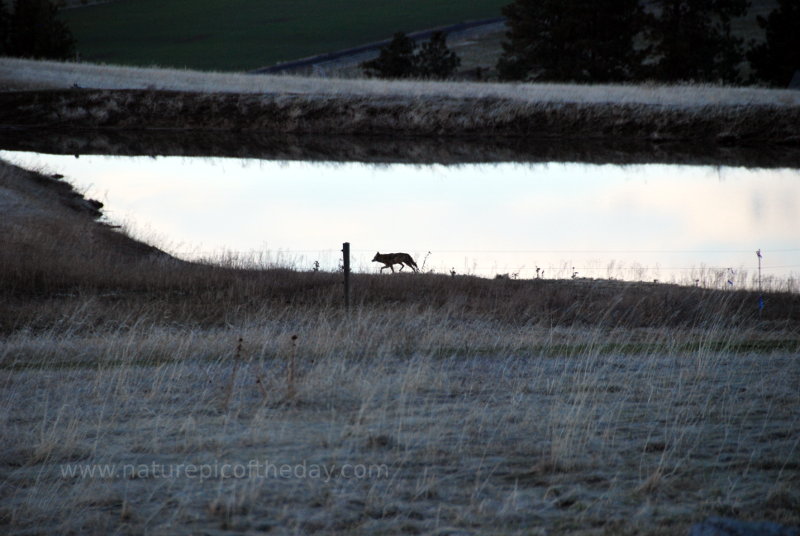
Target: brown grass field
x,y
140,393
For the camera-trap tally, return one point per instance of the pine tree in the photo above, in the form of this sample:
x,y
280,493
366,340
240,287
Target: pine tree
x,y
400,59
434,59
572,40
35,31
396,60
776,60
692,40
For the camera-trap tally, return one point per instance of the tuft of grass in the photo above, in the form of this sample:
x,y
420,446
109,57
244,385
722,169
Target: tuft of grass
x,y
237,359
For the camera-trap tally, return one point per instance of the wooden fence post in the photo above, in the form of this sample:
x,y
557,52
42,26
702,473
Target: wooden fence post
x,y
346,264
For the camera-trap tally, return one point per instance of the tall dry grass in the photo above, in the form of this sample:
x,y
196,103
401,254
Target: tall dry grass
x,y
513,428
53,251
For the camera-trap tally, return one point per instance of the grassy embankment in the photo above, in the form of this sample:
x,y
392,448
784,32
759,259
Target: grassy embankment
x,y
168,99
247,34
482,405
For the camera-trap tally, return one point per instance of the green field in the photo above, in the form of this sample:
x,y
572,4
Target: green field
x,y
246,34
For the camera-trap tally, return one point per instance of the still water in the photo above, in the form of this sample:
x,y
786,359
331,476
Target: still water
x,y
637,222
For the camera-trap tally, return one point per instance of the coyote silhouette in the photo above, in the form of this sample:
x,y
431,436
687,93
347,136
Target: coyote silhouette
x,y
390,259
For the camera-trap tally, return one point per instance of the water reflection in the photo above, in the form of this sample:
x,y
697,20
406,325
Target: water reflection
x,y
643,222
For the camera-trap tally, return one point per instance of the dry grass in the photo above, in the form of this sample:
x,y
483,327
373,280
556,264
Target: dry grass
x,y
121,98
404,116
542,431
54,250
435,404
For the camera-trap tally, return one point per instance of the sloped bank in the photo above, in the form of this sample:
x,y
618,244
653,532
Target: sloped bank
x,y
754,124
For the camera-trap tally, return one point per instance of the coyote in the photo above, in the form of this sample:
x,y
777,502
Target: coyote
x,y
390,259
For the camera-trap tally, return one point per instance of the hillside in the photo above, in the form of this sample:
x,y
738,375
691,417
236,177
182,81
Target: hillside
x,y
247,34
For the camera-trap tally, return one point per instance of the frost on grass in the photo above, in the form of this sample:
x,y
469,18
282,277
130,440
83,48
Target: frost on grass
x,y
190,100
529,436
49,74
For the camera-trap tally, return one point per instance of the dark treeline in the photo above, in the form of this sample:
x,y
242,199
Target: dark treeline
x,y
597,41
601,41
587,41
403,59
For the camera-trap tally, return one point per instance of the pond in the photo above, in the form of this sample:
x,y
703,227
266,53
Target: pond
x,y
690,224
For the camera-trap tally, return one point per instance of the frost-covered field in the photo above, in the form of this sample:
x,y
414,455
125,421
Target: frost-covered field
x,y
175,430
18,73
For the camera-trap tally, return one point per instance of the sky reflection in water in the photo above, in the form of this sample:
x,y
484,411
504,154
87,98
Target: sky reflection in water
x,y
634,222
